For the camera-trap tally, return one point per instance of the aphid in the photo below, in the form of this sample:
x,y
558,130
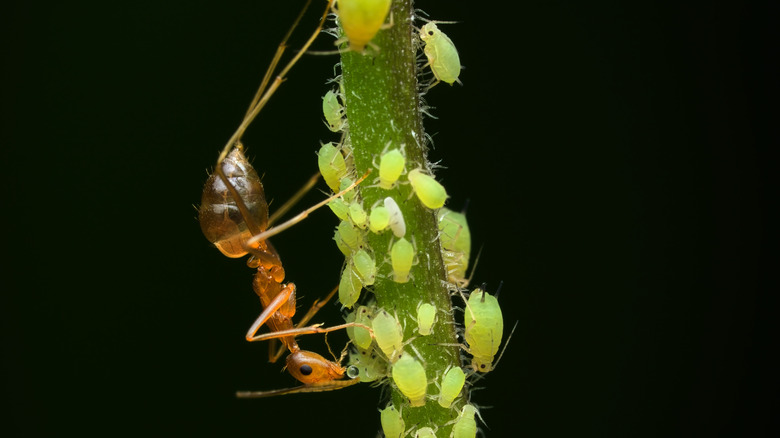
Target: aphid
x,y
359,335
332,165
349,287
402,258
367,365
484,327
428,190
397,224
351,236
409,375
358,215
333,111
451,384
441,53
455,238
388,333
465,426
379,219
346,182
426,316
392,423
391,165
425,432
339,208
361,20
365,267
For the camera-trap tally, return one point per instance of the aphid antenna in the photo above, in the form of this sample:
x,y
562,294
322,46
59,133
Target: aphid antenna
x,y
474,267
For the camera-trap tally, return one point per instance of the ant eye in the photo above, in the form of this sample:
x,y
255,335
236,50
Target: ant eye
x,y
306,370
430,32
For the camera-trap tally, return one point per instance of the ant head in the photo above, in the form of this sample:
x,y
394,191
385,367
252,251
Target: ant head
x,y
309,367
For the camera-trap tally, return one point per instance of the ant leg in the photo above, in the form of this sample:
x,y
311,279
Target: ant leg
x,y
318,304
312,387
312,329
280,300
303,215
294,200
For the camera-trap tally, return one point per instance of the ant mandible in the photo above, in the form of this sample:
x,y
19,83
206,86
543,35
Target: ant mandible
x,y
234,216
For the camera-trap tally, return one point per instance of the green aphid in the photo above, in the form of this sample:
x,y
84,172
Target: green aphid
x,y
451,384
484,327
369,365
365,267
333,111
360,336
428,190
349,287
379,219
391,166
465,426
409,376
426,316
402,258
343,184
389,334
455,238
332,166
351,236
441,53
392,423
358,215
425,432
340,208
346,250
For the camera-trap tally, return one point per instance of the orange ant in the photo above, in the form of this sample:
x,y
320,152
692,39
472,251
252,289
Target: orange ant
x,y
234,216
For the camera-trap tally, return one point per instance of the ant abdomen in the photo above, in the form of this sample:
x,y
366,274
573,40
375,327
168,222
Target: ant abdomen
x,y
221,219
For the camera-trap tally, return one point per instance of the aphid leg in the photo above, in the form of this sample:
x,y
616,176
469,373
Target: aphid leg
x,y
505,345
303,215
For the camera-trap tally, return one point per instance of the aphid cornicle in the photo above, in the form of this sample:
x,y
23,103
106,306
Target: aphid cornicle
x,y
451,384
430,192
361,20
409,376
392,423
441,53
466,425
484,327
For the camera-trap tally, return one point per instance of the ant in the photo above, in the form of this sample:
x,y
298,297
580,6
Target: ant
x,y
234,216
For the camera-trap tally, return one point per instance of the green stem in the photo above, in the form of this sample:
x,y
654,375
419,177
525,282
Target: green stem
x,y
383,107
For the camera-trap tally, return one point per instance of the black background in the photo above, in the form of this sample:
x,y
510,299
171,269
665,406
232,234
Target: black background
x,y
615,157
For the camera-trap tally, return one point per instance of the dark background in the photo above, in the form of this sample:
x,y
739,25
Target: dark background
x,y
615,156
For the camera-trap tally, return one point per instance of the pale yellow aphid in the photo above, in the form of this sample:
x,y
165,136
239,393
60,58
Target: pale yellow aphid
x,y
425,432
465,426
392,423
430,192
441,53
389,334
361,20
451,384
402,258
332,165
396,223
379,219
391,166
409,376
455,238
426,316
364,266
333,111
484,327
358,215
349,287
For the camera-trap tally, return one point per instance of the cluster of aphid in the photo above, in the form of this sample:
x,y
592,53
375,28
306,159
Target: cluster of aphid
x,y
234,216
